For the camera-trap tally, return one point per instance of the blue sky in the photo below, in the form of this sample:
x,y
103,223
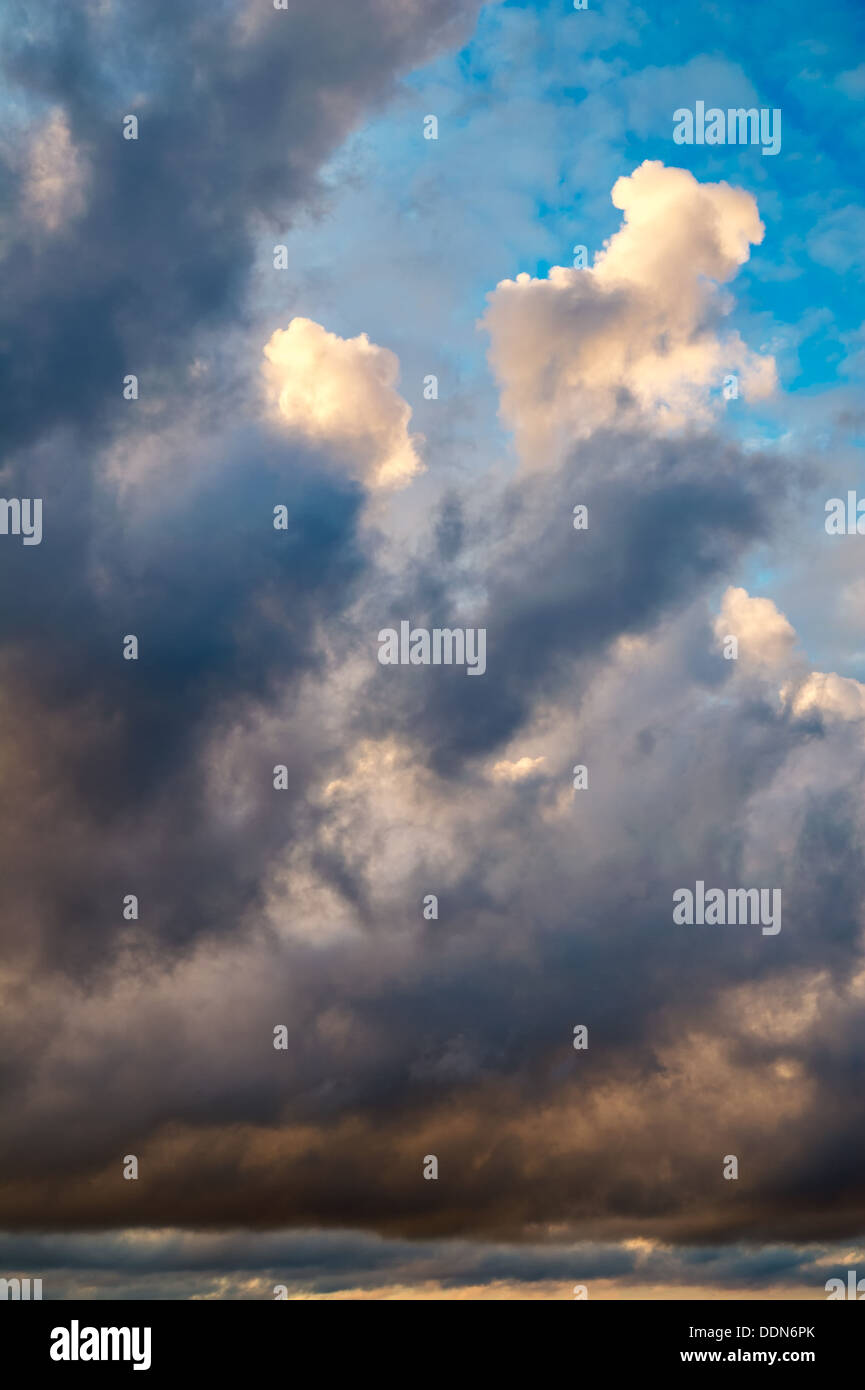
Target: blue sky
x,y
545,107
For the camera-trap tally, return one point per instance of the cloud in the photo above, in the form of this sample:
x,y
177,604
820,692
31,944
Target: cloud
x,y
453,1037
507,771
764,635
347,1264
837,697
57,175
852,82
637,333
340,393
304,907
836,241
234,127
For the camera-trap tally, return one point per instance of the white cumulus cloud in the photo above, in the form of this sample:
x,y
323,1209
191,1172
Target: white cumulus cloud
x,y
340,393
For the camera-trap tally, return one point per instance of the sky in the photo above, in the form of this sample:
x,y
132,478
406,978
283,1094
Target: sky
x,y
324,977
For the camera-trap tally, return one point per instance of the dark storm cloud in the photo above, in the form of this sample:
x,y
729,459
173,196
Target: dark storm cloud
x,y
236,119
447,1037
225,609
455,1032
668,518
454,1043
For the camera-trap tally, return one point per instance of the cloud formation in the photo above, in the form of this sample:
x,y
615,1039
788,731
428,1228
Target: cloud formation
x,y
301,906
640,331
342,395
